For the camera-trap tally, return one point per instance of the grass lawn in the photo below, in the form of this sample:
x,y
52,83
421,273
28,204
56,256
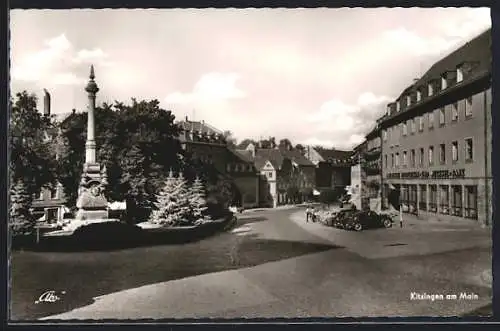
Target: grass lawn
x,y
85,275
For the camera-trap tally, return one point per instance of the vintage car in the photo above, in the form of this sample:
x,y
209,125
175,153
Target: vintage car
x,y
366,219
340,218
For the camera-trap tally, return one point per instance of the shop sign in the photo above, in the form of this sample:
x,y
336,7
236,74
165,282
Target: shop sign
x,y
435,174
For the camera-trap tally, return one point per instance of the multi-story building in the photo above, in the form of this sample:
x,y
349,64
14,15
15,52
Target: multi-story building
x,y
333,168
436,138
205,143
373,162
282,170
209,145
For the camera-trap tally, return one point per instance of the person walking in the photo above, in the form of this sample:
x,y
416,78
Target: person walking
x,y
308,213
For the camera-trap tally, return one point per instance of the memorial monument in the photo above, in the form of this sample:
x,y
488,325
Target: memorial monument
x,y
91,203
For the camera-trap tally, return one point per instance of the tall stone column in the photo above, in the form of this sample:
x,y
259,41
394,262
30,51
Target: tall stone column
x,y
90,146
92,204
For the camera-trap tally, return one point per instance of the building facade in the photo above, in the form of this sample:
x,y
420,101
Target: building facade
x,y
373,162
208,144
286,175
332,170
436,138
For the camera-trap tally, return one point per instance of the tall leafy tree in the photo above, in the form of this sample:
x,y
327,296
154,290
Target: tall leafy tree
x,y
32,160
137,143
285,144
230,139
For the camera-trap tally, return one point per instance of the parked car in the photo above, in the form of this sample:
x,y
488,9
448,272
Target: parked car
x,y
341,218
367,219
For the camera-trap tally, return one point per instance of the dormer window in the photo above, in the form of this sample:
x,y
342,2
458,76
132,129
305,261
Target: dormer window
x,y
430,89
388,112
419,95
398,106
444,82
460,74
408,100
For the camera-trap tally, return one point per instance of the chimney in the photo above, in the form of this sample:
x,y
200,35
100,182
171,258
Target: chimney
x,y
73,111
186,118
46,103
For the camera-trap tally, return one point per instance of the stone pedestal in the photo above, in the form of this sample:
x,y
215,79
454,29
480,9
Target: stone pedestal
x,y
91,203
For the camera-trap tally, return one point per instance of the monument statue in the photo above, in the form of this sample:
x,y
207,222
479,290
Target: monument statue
x,y
91,203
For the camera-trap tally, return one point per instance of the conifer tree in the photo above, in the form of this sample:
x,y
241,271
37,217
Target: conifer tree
x,y
183,200
198,201
167,210
21,220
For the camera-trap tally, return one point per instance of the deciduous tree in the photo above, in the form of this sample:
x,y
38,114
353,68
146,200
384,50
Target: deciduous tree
x,y
32,161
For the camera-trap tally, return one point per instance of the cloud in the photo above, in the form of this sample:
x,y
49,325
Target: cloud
x,y
67,79
344,125
452,32
416,44
34,66
211,87
91,56
56,63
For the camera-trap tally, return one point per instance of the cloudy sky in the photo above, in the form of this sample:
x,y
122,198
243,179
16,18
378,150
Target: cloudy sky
x,y
317,76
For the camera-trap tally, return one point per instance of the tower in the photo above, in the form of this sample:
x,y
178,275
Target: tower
x,y
92,205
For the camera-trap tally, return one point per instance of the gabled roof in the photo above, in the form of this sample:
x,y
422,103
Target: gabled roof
x,y
201,127
297,157
476,53
268,154
333,154
242,154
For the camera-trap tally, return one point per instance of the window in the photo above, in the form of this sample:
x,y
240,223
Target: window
x,y
228,168
405,129
441,116
398,106
442,153
454,151
430,89
454,112
405,159
408,100
431,120
468,107
433,198
412,158
384,135
392,161
419,95
40,194
460,74
385,161
421,158
470,202
469,150
413,126
388,110
422,204
431,154
397,159
269,174
444,200
53,193
456,200
421,123
444,82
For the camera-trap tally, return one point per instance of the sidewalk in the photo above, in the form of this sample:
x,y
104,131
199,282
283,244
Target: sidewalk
x,y
417,237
